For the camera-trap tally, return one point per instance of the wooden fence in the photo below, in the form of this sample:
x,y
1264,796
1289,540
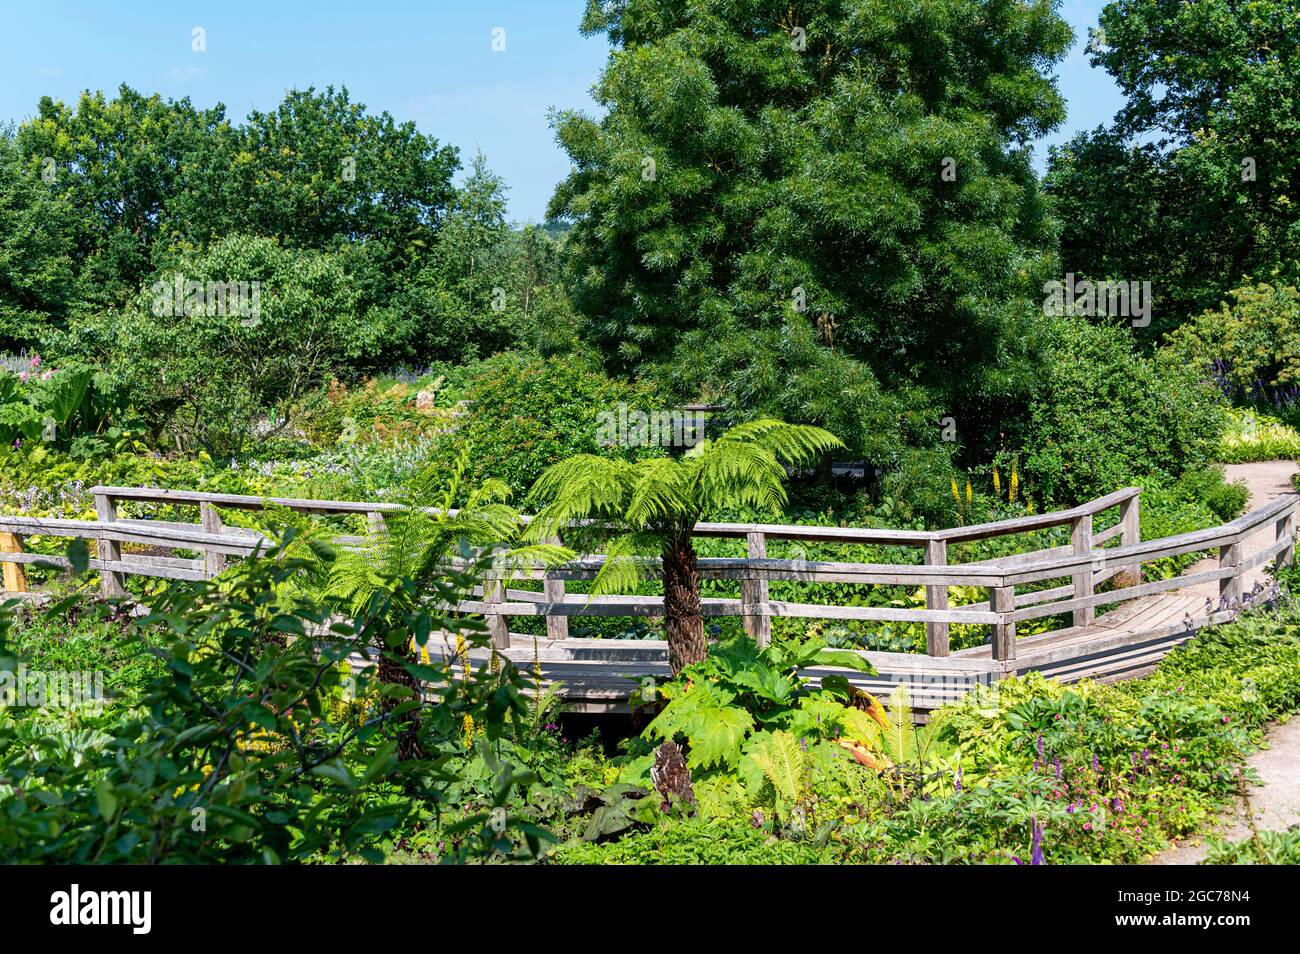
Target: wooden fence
x,y
1015,583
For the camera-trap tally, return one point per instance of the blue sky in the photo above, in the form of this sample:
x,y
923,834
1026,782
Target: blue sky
x,y
431,62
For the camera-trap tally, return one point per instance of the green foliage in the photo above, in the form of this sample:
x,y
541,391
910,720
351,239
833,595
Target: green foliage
x,y
1255,436
1192,183
756,732
1105,416
72,408
526,413
1252,346
655,503
695,842
1266,848
203,371
234,751
37,286
777,168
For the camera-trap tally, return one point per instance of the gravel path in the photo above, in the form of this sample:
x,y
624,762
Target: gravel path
x,y
1274,805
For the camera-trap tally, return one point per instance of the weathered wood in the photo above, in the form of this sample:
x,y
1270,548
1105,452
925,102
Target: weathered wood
x,y
753,593
1130,521
1230,558
210,521
578,605
493,599
936,598
112,583
557,627
1285,530
982,531
15,577
1081,542
1003,600
1122,595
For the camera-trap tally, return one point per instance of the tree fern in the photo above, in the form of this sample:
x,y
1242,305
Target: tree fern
x,y
650,508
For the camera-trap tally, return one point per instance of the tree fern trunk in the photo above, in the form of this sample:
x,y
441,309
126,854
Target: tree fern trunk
x,y
408,725
682,618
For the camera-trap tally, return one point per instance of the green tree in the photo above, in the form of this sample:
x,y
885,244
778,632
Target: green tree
x,y
37,286
118,163
317,172
854,167
229,341
1193,183
652,506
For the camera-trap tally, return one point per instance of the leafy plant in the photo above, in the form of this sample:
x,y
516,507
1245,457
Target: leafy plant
x,y
653,505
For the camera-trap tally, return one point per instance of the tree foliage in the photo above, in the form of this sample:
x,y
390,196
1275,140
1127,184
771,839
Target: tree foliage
x,y
761,165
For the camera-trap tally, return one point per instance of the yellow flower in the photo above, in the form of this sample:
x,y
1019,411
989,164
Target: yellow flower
x,y
968,492
956,494
1015,484
997,482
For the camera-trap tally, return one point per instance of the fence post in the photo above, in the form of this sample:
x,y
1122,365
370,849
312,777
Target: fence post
x,y
15,575
210,520
494,591
936,598
1284,527
111,581
1130,518
1230,586
753,594
557,626
1081,544
1003,600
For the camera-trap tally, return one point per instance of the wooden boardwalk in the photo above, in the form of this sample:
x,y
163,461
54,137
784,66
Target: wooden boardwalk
x,y
1110,621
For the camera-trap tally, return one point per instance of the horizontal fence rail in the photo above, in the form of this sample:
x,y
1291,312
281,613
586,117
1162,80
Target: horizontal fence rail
x,y
1091,560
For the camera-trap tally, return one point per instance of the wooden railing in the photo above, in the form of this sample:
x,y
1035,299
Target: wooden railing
x,y
1013,582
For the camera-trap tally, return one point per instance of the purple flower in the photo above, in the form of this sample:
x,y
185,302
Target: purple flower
x,y
957,781
1040,746
1036,851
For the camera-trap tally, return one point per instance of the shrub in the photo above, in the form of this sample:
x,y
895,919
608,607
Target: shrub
x,y
1251,345
1105,415
1267,848
207,378
526,413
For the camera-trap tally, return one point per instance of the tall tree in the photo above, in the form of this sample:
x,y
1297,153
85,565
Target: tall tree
x,y
851,166
1192,186
37,286
118,162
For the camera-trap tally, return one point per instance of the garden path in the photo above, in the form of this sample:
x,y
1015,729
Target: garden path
x,y
1274,805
